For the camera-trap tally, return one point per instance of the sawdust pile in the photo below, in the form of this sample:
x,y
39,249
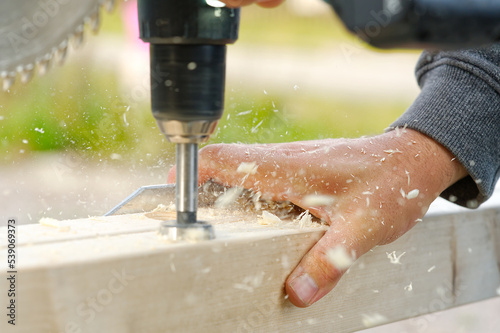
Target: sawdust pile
x,y
245,201
217,200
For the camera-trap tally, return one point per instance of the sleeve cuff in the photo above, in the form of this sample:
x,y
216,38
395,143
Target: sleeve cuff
x,y
462,112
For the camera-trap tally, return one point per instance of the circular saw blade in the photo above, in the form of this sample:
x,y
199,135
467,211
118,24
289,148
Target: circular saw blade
x,y
35,33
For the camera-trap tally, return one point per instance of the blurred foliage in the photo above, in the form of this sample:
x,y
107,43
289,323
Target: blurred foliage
x,y
85,115
80,107
262,117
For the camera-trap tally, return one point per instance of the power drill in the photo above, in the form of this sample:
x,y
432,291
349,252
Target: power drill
x,y
429,24
188,48
188,61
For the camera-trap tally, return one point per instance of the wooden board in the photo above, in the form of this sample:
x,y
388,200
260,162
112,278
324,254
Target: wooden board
x,y
115,274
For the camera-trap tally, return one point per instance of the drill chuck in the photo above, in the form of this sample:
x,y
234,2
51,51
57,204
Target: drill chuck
x,y
187,89
441,24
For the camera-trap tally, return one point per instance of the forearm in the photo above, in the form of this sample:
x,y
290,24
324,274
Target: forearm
x,y
427,162
459,107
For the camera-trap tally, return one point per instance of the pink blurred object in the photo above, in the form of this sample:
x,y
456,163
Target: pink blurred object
x,y
132,25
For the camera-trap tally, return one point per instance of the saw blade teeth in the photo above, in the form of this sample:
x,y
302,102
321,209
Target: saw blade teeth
x,y
7,79
78,37
26,72
13,64
62,52
43,64
94,21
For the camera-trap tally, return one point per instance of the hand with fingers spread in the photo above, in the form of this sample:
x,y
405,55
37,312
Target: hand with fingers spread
x,y
369,190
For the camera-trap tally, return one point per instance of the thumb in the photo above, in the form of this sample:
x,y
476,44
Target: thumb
x,y
322,267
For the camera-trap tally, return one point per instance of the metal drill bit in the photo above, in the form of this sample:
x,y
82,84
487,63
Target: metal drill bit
x,y
187,227
187,182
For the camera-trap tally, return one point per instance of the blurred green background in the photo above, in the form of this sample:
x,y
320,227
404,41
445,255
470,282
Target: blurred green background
x,y
83,106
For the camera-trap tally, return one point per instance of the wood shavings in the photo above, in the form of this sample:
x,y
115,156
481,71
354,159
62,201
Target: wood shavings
x,y
49,222
161,208
269,219
243,113
304,220
249,168
339,257
256,200
374,319
316,200
243,200
412,194
400,131
431,269
409,287
395,259
228,198
392,151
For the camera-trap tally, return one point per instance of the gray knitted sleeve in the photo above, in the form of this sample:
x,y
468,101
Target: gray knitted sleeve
x,y
459,107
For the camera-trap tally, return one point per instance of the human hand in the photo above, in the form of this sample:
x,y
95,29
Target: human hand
x,y
376,189
262,3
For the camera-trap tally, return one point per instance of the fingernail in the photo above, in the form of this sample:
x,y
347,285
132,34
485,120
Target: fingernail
x,y
304,287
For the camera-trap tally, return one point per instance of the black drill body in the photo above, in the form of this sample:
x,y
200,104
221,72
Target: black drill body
x,y
188,56
432,24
